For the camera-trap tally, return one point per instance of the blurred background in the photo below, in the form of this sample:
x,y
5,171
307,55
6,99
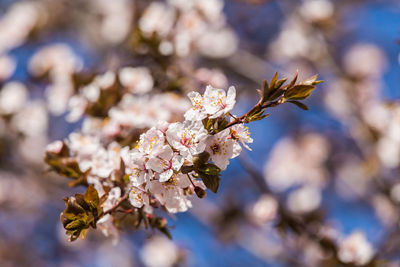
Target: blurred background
x,y
335,167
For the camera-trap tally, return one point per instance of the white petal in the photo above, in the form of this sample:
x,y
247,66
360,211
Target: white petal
x,y
165,176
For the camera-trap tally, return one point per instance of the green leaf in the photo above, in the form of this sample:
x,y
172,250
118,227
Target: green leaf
x,y
210,169
256,116
166,232
293,81
187,169
299,92
222,125
312,80
272,83
81,212
210,181
280,82
91,197
75,225
299,104
200,159
207,123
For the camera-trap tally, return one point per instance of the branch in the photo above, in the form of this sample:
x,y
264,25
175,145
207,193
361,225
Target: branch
x,y
113,208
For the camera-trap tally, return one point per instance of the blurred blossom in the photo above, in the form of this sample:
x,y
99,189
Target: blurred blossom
x,y
90,94
304,200
13,193
57,59
388,147
145,112
7,67
303,164
158,18
32,148
218,44
313,253
60,63
395,193
385,210
377,115
115,255
116,22
137,80
13,97
364,60
160,252
295,31
264,210
337,99
317,10
17,23
184,26
355,249
353,178
32,119
214,77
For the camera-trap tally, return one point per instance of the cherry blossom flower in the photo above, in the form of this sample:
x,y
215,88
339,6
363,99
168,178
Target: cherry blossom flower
x,y
139,174
138,197
187,137
217,102
221,148
241,133
197,111
152,141
171,194
165,163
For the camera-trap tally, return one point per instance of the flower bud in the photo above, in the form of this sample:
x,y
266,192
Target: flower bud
x,y
154,203
160,222
200,192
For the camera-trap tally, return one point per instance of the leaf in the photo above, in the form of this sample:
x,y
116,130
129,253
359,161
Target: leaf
x,y
277,93
280,82
75,225
256,116
299,92
299,104
222,124
210,181
200,159
166,232
293,81
272,83
81,213
187,169
207,123
210,169
311,80
92,197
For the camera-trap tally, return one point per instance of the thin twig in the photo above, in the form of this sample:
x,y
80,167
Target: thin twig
x,y
122,199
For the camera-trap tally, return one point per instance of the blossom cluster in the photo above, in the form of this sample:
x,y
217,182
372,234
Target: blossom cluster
x,y
163,151
169,163
184,26
135,154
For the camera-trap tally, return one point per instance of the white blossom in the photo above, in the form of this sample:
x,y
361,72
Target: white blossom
x,y
136,80
355,249
165,163
187,137
217,102
221,148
